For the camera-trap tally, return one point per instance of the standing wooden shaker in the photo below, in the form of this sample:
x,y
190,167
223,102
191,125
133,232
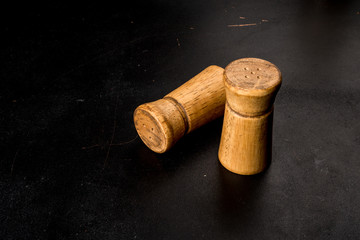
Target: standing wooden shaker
x,y
251,85
160,124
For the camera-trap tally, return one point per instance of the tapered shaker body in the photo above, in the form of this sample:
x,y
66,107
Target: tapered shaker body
x,y
251,85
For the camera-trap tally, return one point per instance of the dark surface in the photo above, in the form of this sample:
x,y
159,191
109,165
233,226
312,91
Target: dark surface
x,y
72,167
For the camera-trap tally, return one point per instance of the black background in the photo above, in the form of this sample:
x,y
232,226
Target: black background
x,y
72,166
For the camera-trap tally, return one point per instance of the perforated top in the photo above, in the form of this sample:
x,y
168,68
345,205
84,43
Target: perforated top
x,y
252,75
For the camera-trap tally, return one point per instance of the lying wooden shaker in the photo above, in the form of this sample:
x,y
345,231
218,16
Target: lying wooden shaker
x,y
251,85
160,124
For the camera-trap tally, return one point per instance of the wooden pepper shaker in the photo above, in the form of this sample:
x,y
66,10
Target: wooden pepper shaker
x,y
251,85
160,124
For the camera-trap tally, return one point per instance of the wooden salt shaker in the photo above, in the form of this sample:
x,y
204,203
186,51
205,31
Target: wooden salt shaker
x,y
251,85
160,124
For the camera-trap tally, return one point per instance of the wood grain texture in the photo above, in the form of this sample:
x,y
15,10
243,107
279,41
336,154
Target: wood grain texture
x,y
160,124
251,85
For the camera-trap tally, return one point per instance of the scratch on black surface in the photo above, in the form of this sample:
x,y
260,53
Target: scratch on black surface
x,y
113,144
113,134
123,143
90,147
16,154
12,165
242,25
